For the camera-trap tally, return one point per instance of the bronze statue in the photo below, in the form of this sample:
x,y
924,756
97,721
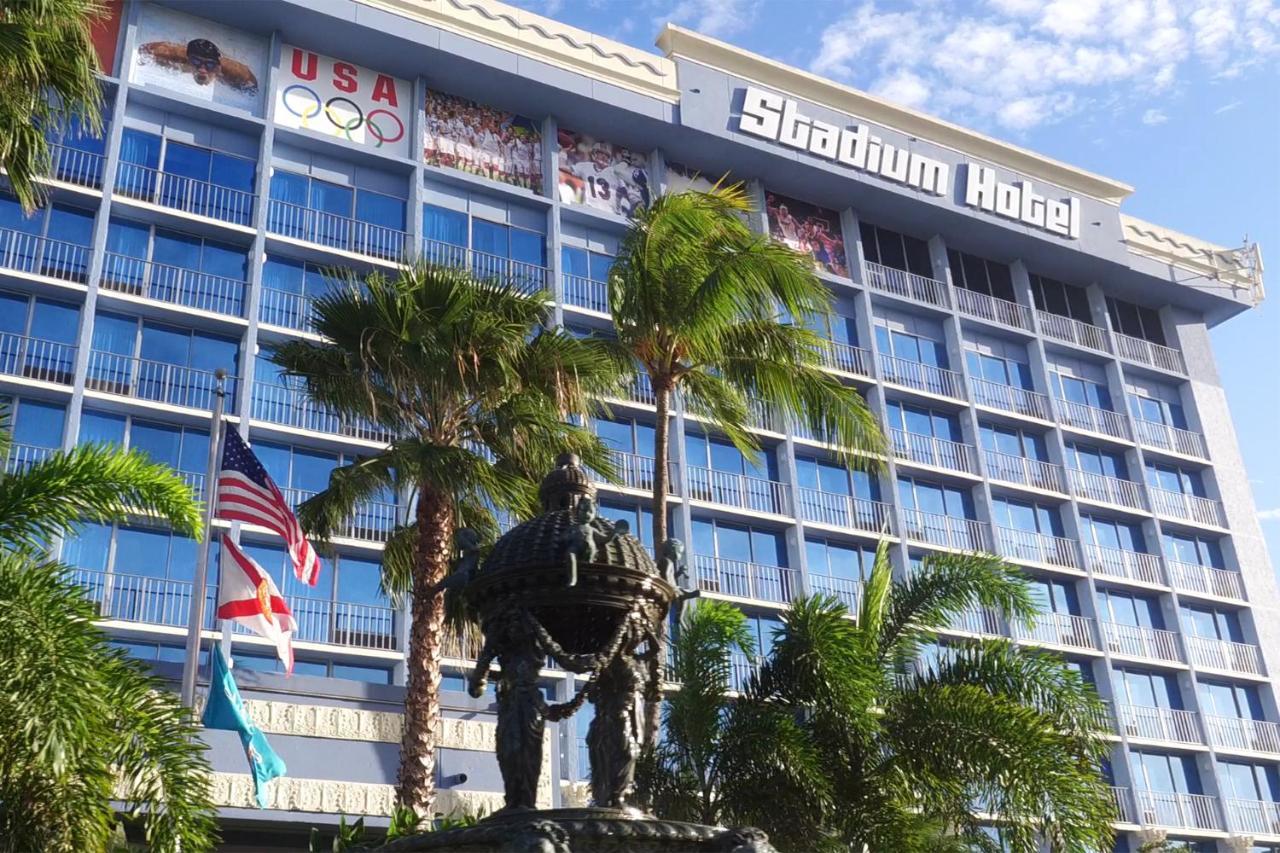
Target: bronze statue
x,y
587,535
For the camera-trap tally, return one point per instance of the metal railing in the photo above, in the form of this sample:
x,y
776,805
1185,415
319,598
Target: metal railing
x,y
846,590
938,452
1058,629
902,283
1106,489
741,669
1188,507
139,598
370,521
334,231
746,580
175,285
1135,641
636,471
1256,817
1034,547
846,358
922,377
342,623
993,308
1244,734
280,404
36,358
195,481
1212,653
841,510
1093,419
637,389
1206,580
522,275
1154,723
1171,438
23,456
1130,565
1008,398
285,309
1123,803
157,381
725,487
961,534
31,253
587,293
1146,352
179,192
1177,811
977,620
465,644
1074,331
75,166
1028,472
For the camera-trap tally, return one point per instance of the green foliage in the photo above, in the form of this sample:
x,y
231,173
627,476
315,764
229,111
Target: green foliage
x,y
354,837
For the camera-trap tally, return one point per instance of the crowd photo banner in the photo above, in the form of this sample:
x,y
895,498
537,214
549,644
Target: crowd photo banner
x,y
810,230
328,96
481,140
198,58
601,175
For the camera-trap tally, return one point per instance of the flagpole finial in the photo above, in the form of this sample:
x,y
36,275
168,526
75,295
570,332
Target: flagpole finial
x,y
219,374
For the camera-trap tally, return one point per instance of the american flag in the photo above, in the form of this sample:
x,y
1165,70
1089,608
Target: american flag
x,y
246,493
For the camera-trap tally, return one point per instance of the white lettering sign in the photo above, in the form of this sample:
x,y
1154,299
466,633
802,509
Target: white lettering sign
x,y
1019,201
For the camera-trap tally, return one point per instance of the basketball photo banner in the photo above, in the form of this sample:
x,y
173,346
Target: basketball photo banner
x,y
320,94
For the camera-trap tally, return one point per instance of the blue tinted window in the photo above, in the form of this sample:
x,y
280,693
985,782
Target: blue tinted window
x,y
187,161
115,334
101,428
444,226
230,171
39,424
331,198
139,147
489,237
13,313
288,187
176,250
380,210
369,674
529,247
71,225
161,442
55,321
128,238
358,581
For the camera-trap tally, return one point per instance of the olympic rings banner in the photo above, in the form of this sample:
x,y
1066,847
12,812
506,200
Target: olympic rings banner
x,y
324,95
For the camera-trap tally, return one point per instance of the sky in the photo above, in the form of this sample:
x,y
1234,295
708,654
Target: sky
x,y
1177,98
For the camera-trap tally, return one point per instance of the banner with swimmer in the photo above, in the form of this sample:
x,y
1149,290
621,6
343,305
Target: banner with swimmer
x,y
323,95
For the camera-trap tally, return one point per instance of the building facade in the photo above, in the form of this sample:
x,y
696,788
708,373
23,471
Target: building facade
x,y
1039,360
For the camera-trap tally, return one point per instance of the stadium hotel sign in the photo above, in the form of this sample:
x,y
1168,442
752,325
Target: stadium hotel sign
x,y
778,119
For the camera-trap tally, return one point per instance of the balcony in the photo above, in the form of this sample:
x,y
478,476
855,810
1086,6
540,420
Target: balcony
x,y
847,591
189,195
636,471
959,534
1177,811
1185,507
341,623
739,490
31,253
1171,438
1243,734
139,598
174,285
841,510
523,276
1024,471
638,389
77,167
335,232
1212,653
1101,488
907,284
1123,804
922,377
1205,580
846,358
1093,419
741,671
280,404
285,309
977,620
1058,629
1073,332
1138,642
993,308
746,580
156,381
1153,723
938,452
36,358
582,292
370,521
1255,817
23,456
1127,565
1153,355
1028,546
993,395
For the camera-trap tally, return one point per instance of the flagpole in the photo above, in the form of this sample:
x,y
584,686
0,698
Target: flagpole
x,y
196,621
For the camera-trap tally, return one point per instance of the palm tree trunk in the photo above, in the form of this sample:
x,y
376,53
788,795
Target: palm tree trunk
x,y
661,453
415,785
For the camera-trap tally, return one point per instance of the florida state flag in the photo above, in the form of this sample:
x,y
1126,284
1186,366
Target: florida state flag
x,y
248,595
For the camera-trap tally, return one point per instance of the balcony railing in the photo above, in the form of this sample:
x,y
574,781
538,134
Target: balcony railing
x,y
522,275
1243,734
961,534
638,389
1171,438
1188,507
846,590
739,490
1033,547
1073,331
1255,817
285,309
336,232
1177,811
341,623
175,285
1104,489
31,253
1123,804
841,510
636,471
23,456
1205,580
1146,352
370,521
993,308
846,358
1153,723
1130,565
938,452
75,166
280,404
36,358
156,381
1058,629
179,192
994,395
912,286
746,580
138,598
587,293
922,377
977,620
1093,419
1212,653
1028,472
1135,641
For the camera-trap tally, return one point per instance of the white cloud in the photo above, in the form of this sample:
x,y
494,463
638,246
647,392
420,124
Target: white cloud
x,y
1023,63
1228,107
717,18
1269,514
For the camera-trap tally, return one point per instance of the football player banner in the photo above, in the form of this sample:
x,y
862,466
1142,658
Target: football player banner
x,y
601,175
492,143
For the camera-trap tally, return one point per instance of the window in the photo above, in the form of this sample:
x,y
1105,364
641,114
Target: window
x,y
154,361
1146,689
1241,701
1026,516
918,420
53,241
980,275
185,449
1135,321
1194,550
1252,783
1126,608
638,516
909,347
53,326
35,424
741,560
1013,441
1212,623
586,275
1165,774
899,251
935,498
1085,392
1001,371
78,156
349,218
183,269
834,559
1055,596
1064,300
498,250
1110,533
288,289
1095,460
719,454
198,180
834,478
1171,478
1157,411
626,435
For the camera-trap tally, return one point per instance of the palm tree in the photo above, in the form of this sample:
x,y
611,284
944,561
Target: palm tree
x,y
474,390
703,305
81,724
47,65
855,735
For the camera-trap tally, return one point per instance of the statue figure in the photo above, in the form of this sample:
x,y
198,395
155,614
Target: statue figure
x,y
467,542
671,566
588,534
613,737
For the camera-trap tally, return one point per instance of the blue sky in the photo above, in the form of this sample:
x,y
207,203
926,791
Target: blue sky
x,y
1178,98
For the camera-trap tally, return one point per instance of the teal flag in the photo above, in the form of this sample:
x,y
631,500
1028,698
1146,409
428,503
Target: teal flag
x,y
225,710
